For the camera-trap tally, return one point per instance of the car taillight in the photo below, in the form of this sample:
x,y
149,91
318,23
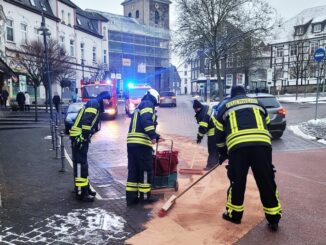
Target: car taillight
x,y
282,112
162,98
174,97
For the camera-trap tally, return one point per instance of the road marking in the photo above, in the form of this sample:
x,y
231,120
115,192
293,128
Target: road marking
x,y
98,196
301,177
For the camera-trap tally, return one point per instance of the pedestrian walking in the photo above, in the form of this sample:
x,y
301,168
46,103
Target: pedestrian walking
x,y
243,137
56,101
4,95
203,116
20,98
27,102
80,135
141,136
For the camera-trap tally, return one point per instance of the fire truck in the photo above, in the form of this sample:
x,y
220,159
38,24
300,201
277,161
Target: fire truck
x,y
134,94
89,90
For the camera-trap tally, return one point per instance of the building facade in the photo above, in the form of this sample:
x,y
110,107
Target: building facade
x,y
184,71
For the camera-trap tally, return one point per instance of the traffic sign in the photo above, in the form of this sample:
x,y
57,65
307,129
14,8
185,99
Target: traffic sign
x,y
319,54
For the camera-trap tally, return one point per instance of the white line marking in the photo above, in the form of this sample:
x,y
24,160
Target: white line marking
x,y
98,196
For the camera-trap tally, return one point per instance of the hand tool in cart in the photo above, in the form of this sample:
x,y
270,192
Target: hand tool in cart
x,y
163,211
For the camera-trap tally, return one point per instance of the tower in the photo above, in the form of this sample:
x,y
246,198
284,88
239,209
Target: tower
x,y
149,12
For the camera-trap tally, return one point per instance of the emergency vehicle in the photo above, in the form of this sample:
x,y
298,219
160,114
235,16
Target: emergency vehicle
x,y
89,90
134,94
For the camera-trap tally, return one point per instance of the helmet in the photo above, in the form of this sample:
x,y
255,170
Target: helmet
x,y
155,94
104,95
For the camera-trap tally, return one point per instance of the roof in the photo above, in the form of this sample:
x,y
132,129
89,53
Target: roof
x,y
285,31
163,1
88,22
39,6
125,24
69,3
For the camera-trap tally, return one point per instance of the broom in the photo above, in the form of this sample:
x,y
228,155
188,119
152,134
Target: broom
x,y
191,170
163,211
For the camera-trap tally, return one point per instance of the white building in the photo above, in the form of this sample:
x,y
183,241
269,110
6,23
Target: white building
x,y
83,34
184,71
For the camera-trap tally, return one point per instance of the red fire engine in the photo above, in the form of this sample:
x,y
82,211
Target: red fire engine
x,y
90,90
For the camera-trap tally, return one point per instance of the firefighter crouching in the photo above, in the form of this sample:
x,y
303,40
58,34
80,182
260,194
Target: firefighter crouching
x,y
206,126
243,137
80,135
141,136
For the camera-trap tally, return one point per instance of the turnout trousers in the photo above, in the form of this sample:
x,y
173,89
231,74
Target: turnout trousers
x,y
212,151
80,168
259,158
140,169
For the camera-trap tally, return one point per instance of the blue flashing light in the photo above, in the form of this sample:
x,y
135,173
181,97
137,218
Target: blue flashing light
x,y
130,85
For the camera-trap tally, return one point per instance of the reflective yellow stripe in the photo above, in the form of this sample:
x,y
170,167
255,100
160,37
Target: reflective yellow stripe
x,y
86,127
75,130
248,132
139,141
235,207
145,110
134,122
149,128
91,110
200,134
80,182
142,135
203,124
144,188
276,210
95,119
248,138
134,184
131,186
217,124
221,145
268,119
259,119
211,132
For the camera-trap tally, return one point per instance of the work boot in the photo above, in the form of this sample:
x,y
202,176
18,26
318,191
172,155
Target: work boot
x,y
90,192
273,227
85,198
132,202
149,200
228,218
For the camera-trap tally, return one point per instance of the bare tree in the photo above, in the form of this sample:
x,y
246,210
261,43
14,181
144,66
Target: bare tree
x,y
217,26
31,59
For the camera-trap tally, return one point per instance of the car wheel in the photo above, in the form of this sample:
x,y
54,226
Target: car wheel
x,y
277,135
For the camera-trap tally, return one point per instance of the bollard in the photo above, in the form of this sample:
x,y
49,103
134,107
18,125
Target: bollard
x,y
52,135
57,146
63,168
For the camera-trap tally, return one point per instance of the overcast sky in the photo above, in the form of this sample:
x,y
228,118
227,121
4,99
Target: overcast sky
x,y
286,8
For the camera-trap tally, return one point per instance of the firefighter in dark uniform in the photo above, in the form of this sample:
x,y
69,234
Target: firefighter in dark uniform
x,y
243,137
141,136
80,135
203,116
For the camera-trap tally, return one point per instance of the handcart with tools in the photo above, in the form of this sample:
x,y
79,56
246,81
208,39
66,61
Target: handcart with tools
x,y
165,174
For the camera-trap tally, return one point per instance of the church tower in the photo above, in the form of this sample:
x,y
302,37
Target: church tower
x,y
149,12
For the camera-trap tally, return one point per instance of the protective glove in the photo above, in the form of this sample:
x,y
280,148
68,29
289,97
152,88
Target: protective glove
x,y
80,141
199,139
222,158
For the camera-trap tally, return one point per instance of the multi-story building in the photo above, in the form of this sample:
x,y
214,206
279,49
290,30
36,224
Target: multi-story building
x,y
184,71
139,43
292,50
81,33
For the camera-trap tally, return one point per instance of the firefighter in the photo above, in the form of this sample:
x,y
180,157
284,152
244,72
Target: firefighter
x,y
141,136
243,137
206,126
80,134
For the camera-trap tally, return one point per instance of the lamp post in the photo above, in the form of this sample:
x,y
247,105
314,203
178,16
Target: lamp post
x,y
45,32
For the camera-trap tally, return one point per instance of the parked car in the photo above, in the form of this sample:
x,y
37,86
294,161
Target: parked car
x,y
274,108
71,114
168,98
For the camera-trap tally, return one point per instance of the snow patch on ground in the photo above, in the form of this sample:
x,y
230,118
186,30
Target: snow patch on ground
x,y
302,99
296,130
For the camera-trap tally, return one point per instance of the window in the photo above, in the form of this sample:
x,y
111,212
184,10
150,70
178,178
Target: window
x,y
69,19
240,79
82,50
104,33
317,28
63,16
186,80
300,30
229,79
185,73
10,30
43,6
94,55
157,17
62,41
229,62
293,50
137,14
129,15
239,61
72,48
37,33
313,47
279,52
32,2
79,22
104,56
23,28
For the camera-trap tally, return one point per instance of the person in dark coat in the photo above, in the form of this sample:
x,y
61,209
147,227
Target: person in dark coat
x,y
20,98
5,96
56,101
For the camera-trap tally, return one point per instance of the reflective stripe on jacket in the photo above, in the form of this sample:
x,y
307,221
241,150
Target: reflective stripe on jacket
x,y
204,120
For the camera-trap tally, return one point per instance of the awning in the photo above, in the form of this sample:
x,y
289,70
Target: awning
x,y
4,68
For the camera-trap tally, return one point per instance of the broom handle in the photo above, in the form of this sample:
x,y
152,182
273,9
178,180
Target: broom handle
x,y
183,192
193,157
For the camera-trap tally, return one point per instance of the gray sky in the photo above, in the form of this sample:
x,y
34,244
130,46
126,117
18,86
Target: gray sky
x,y
286,8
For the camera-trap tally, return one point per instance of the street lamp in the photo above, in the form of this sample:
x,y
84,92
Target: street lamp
x,y
45,32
